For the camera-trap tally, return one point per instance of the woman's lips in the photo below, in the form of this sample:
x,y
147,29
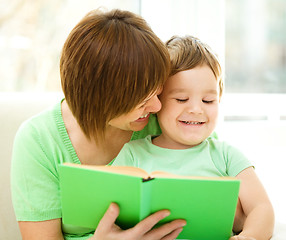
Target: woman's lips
x,y
143,118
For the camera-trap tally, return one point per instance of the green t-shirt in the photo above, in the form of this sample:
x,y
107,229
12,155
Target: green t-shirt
x,y
210,158
40,145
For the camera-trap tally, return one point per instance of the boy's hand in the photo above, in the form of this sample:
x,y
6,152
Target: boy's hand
x,y
241,238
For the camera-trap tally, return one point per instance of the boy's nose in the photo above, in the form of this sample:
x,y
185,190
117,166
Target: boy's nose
x,y
195,107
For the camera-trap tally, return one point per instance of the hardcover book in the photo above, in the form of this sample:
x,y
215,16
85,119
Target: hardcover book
x,y
208,204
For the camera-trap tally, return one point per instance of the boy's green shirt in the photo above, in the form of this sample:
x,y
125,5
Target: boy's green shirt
x,y
212,158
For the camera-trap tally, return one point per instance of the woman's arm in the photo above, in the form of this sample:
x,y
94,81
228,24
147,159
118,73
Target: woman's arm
x,y
259,222
107,229
45,230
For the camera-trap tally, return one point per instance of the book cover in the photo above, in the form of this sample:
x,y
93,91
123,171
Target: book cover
x,y
207,204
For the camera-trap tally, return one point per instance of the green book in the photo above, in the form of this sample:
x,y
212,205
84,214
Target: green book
x,y
207,204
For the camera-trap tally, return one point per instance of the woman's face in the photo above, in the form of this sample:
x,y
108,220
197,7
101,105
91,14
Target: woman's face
x,y
138,118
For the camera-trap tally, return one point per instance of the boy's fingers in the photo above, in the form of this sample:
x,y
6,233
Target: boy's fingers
x,y
241,238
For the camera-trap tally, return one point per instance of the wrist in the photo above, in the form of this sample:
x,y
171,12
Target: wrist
x,y
246,236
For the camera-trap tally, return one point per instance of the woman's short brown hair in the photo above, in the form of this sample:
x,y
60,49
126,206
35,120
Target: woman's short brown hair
x,y
111,61
189,52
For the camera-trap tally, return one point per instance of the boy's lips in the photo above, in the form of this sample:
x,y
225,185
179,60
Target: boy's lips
x,y
192,122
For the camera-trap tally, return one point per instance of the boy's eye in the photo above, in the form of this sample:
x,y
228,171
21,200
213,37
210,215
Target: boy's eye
x,y
181,99
208,101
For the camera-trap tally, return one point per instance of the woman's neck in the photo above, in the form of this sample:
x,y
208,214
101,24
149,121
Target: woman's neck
x,y
87,150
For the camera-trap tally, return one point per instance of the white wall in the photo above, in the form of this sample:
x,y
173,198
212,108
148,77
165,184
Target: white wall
x,y
263,142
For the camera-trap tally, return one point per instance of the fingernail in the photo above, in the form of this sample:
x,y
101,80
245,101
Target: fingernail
x,y
183,224
112,207
166,213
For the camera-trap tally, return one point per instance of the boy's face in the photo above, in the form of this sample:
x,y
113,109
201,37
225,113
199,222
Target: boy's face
x,y
189,113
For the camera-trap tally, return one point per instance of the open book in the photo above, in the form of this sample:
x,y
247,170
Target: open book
x,y
207,203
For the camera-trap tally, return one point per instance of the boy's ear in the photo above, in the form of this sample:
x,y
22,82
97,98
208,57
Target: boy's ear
x,y
220,97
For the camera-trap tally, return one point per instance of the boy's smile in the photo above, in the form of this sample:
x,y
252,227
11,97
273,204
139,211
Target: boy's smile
x,y
189,108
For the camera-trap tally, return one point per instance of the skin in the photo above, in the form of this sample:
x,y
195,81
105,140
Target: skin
x,y
255,205
190,106
138,118
259,222
189,109
118,133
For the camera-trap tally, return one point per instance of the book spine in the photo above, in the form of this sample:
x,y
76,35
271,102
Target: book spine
x,y
145,204
147,179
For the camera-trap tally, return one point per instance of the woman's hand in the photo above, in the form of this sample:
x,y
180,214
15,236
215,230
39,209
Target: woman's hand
x,y
108,230
241,238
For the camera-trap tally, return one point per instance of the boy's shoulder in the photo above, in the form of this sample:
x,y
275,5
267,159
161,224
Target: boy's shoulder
x,y
221,146
214,142
140,142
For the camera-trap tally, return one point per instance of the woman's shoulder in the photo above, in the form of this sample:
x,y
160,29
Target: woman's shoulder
x,y
43,138
46,120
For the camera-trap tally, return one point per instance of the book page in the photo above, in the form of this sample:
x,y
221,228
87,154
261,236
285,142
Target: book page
x,y
161,174
138,172
125,170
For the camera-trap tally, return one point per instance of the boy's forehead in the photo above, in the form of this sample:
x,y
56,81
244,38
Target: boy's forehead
x,y
176,90
183,90
176,87
199,78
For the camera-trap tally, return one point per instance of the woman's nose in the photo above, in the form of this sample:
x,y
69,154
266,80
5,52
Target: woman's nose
x,y
154,104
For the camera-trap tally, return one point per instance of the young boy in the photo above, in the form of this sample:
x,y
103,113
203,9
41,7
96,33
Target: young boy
x,y
190,105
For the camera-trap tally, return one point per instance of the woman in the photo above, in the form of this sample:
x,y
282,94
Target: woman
x,y
112,69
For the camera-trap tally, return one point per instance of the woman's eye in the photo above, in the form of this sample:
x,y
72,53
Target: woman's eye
x,y
143,105
181,99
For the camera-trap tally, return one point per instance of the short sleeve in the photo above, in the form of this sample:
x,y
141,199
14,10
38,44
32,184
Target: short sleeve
x,y
34,178
236,161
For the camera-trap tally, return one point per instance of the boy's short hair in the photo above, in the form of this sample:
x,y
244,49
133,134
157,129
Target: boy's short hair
x,y
110,62
189,52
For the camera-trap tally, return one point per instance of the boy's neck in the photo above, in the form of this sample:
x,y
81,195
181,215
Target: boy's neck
x,y
166,142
